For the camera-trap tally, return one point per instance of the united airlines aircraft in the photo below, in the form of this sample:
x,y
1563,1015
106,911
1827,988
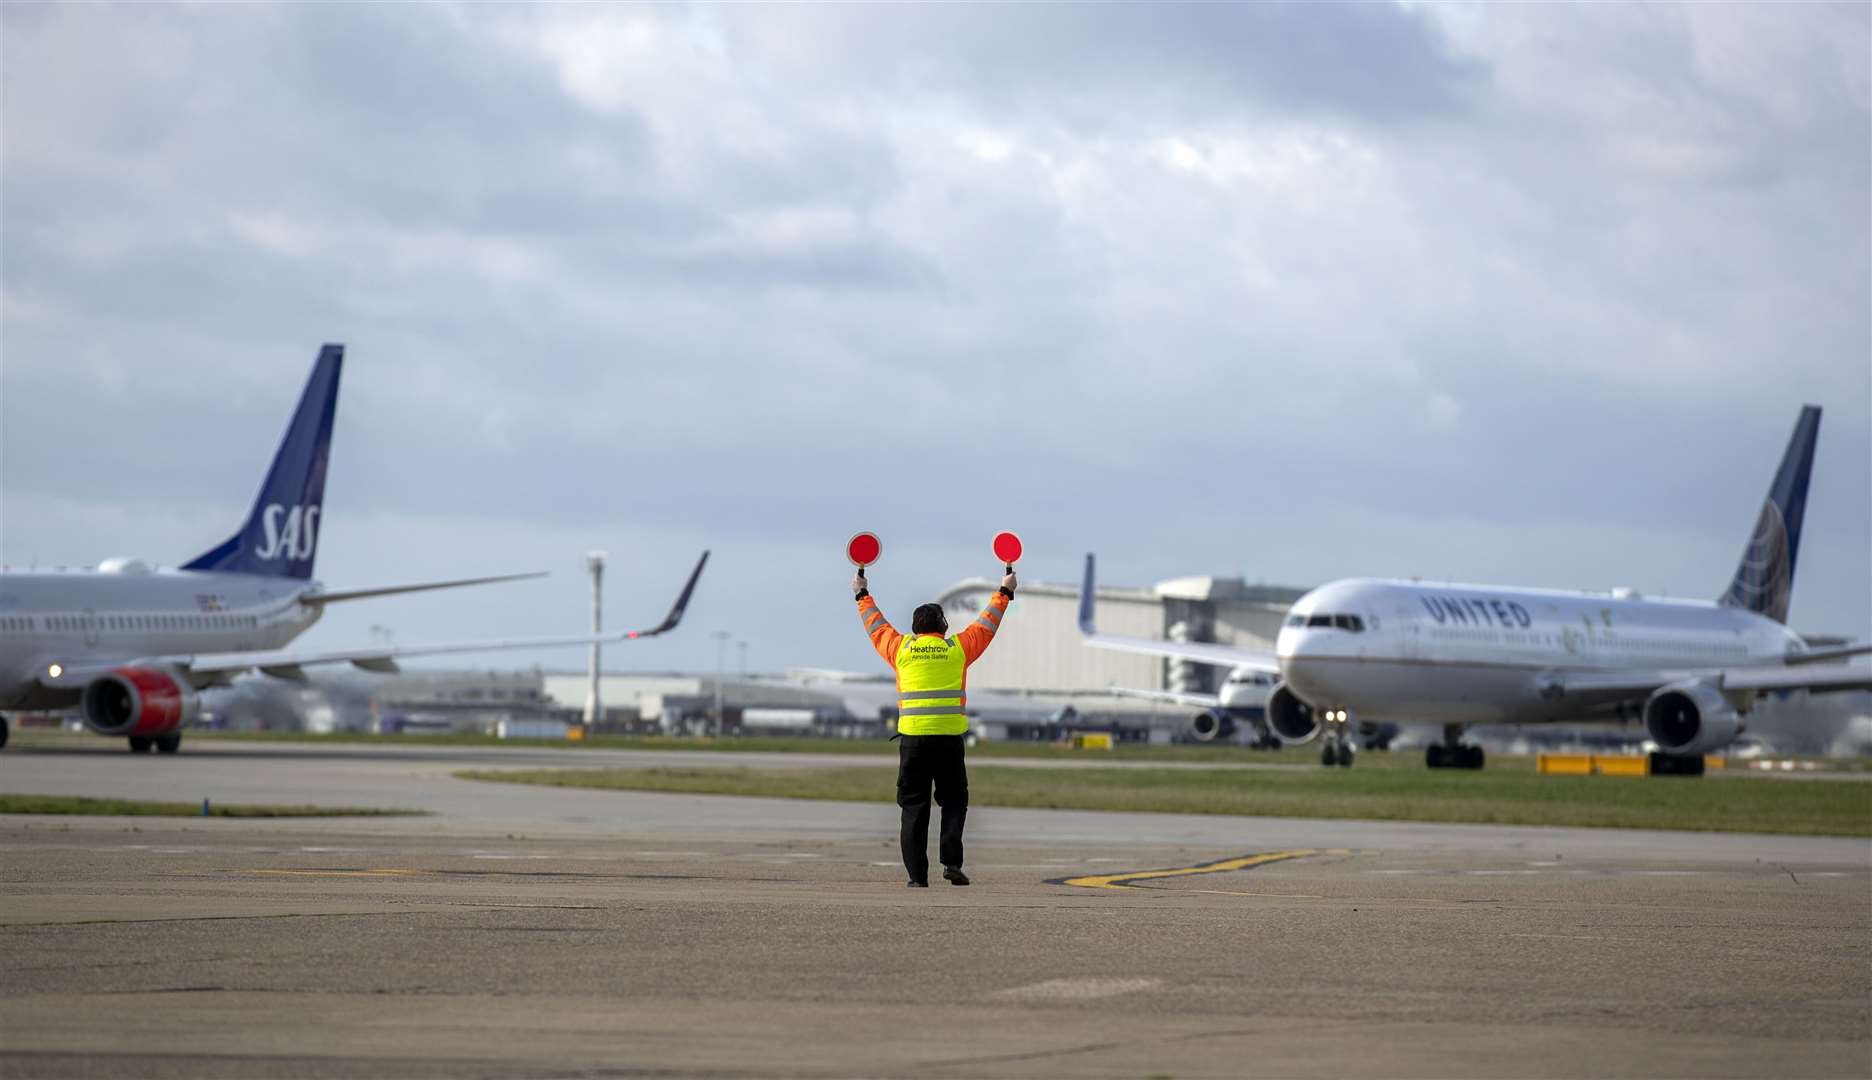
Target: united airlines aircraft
x,y
132,646
1365,651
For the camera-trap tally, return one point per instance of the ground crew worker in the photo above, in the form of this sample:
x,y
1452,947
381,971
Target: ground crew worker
x,y
932,683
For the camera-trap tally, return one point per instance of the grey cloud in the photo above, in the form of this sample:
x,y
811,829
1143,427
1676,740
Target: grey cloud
x,y
1293,291
1093,65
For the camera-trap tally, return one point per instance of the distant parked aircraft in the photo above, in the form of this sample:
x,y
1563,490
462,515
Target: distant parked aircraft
x,y
132,645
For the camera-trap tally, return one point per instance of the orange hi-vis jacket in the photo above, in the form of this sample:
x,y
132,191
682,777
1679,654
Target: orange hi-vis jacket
x,y
972,641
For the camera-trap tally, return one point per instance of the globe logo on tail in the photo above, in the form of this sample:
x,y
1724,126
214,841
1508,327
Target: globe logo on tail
x,y
1765,578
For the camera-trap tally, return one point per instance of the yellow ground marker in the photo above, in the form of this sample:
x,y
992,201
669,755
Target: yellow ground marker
x,y
1117,881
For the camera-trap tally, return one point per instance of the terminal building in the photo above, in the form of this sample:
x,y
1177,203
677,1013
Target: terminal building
x,y
1039,648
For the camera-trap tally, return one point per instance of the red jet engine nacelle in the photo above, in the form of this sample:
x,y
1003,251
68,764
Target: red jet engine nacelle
x,y
140,701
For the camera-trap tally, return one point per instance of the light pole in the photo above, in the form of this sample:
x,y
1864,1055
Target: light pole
x,y
594,707
721,660
742,645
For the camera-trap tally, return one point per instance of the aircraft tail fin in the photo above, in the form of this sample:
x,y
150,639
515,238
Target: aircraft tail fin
x,y
1764,579
280,536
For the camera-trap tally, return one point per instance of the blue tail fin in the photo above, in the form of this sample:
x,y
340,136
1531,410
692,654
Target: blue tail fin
x,y
280,538
1765,577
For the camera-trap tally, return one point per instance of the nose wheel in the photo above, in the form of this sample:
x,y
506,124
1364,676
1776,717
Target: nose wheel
x,y
1336,746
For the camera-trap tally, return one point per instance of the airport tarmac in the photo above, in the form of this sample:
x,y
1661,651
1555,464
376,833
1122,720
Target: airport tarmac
x,y
543,932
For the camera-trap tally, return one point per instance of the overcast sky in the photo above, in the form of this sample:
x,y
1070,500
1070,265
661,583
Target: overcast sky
x,y
1520,294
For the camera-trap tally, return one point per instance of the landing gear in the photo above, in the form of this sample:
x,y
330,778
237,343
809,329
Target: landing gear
x,y
1451,753
1336,752
1676,764
169,743
141,744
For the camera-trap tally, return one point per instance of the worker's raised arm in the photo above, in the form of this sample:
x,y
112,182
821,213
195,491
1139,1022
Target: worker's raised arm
x,y
884,638
975,637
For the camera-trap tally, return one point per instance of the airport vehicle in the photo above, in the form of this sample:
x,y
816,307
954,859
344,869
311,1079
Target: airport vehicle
x,y
132,646
1365,651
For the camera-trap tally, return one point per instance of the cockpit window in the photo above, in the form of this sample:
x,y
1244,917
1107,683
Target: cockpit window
x,y
1351,623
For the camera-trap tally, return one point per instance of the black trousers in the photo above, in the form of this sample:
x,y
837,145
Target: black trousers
x,y
921,761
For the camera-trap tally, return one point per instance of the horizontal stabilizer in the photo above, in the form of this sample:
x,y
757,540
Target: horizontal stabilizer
x,y
341,595
1827,656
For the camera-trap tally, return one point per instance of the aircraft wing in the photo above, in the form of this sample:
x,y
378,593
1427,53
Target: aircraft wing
x,y
286,663
1168,697
1200,652
1815,677
289,663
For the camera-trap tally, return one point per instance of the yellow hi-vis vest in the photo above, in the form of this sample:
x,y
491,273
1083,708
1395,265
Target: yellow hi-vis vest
x,y
931,672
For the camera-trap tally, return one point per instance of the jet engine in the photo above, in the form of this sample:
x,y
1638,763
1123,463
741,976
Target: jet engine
x,y
1210,725
142,702
1690,718
1290,719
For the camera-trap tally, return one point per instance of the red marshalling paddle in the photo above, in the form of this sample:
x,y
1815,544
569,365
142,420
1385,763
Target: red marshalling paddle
x,y
1007,548
863,549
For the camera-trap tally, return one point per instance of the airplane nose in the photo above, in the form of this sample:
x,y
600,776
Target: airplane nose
x,y
1296,643
1297,651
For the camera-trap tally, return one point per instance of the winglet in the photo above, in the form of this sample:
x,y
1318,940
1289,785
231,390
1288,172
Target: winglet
x,y
1086,600
682,604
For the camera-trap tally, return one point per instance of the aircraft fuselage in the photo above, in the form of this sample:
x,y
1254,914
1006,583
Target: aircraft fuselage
x,y
1469,654
80,618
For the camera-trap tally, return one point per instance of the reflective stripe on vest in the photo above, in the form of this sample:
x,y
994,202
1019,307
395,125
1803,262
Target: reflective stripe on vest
x,y
931,674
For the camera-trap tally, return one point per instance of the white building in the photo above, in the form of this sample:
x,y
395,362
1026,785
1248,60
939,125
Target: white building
x,y
1039,648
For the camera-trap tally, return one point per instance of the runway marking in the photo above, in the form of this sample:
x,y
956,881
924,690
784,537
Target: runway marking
x,y
1080,989
339,873
1343,899
1222,866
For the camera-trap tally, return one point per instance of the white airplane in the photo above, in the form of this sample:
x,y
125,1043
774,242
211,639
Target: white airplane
x,y
1370,651
132,646
1241,701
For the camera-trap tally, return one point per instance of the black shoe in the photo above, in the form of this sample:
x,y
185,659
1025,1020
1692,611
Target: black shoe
x,y
954,875
913,884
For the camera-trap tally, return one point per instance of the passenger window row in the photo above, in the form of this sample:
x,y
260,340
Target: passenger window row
x,y
75,623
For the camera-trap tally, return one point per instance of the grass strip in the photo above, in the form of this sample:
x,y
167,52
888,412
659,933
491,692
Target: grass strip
x,y
1494,796
784,744
75,804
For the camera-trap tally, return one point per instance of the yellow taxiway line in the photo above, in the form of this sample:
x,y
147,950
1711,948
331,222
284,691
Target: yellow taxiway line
x,y
1222,866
